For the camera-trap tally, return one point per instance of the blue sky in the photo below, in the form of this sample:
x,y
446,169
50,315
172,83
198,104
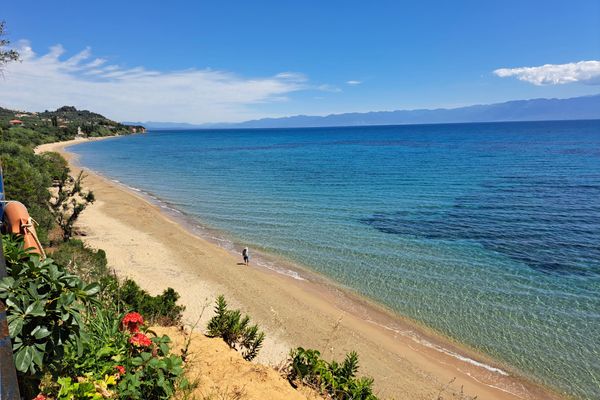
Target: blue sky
x,y
215,61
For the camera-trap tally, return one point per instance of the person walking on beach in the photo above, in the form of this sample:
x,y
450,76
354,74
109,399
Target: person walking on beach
x,y
246,255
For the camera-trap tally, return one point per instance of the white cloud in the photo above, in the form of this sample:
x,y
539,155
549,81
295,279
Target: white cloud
x,y
555,74
49,81
328,88
353,82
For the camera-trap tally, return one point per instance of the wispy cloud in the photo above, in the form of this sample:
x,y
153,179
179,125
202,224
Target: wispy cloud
x,y
50,80
353,82
328,88
556,74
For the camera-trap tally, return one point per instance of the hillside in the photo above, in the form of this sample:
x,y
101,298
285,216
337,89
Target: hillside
x,y
66,122
221,372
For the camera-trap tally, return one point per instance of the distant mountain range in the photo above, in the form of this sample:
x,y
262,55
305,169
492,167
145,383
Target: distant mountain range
x,y
585,107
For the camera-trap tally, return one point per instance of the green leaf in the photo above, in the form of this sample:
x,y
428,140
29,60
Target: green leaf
x,y
105,351
36,309
137,361
40,332
92,289
11,303
24,358
37,356
164,348
6,283
15,326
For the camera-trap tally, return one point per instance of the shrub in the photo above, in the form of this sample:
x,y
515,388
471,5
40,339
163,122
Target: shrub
x,y
235,330
44,310
123,360
105,346
162,309
152,372
337,380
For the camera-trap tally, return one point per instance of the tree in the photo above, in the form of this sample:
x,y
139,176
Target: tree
x,y
6,55
69,200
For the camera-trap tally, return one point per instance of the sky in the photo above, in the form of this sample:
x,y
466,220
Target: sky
x,y
229,61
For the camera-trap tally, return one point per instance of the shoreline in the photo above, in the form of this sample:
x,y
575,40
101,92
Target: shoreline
x,y
406,359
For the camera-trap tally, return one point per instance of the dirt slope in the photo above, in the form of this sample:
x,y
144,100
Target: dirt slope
x,y
222,373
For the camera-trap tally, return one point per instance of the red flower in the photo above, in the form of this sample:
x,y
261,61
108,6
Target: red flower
x,y
140,340
132,321
121,369
40,397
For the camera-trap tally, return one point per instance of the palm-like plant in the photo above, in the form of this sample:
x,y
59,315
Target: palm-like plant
x,y
235,330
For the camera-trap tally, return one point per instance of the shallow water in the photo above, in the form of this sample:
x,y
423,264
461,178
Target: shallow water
x,y
489,233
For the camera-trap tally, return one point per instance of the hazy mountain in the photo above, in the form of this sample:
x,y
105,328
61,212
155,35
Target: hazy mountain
x,y
586,107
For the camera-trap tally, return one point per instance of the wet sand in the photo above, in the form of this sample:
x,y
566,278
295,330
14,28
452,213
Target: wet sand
x,y
407,360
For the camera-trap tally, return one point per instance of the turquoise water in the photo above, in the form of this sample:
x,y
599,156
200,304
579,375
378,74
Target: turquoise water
x,y
489,233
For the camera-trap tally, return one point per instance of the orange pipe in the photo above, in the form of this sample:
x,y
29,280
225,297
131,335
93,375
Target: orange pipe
x,y
18,221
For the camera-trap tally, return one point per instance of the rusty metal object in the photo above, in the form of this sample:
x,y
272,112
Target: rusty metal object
x,y
18,221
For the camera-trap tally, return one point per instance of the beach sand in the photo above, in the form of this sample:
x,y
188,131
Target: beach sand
x,y
406,360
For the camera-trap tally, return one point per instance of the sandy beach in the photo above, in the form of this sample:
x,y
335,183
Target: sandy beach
x,y
406,360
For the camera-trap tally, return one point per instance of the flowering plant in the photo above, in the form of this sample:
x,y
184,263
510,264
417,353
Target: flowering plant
x,y
132,321
126,361
140,340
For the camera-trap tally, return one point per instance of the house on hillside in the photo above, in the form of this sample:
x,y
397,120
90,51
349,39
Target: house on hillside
x,y
15,122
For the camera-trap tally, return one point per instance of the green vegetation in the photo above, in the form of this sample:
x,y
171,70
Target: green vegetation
x,y
338,380
63,124
69,344
120,347
45,305
160,310
235,330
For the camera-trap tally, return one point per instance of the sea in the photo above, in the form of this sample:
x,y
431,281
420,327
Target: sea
x,y
488,233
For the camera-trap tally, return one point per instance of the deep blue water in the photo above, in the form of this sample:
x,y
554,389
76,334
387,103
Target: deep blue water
x,y
489,233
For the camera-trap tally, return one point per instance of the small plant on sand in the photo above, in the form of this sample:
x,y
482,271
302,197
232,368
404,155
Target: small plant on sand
x,y
235,330
338,380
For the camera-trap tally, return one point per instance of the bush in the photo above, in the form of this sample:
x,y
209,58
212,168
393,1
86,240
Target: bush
x,y
337,380
160,310
123,360
152,372
105,346
45,307
235,330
